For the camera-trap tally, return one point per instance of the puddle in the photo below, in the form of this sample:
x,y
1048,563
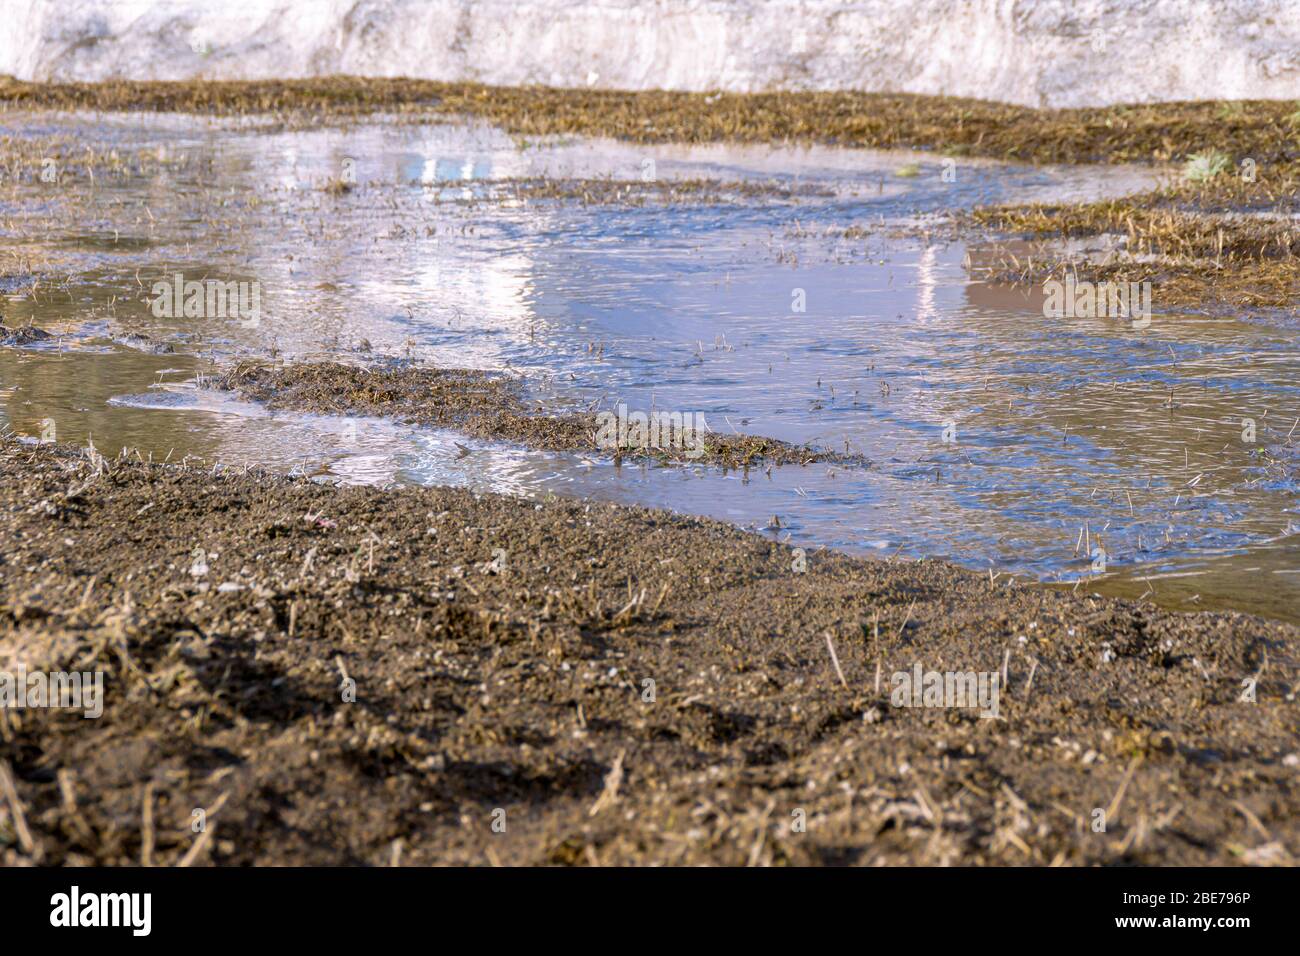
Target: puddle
x,y
801,309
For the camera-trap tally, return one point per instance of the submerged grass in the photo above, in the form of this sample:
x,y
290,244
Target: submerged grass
x,y
594,191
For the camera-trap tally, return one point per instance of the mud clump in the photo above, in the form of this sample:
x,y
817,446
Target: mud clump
x,y
144,343
485,405
330,675
23,335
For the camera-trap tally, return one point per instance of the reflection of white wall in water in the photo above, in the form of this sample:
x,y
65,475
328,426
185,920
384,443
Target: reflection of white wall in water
x,y
453,290
926,281
1039,52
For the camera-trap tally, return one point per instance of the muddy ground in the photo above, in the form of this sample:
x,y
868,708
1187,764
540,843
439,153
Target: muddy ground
x,y
365,676
495,406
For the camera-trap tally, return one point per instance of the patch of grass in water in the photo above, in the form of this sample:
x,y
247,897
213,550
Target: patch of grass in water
x,y
1213,239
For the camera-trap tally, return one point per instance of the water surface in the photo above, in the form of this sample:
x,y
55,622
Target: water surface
x,y
810,295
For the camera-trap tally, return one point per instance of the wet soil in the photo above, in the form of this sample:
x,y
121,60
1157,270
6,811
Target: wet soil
x,y
363,676
22,335
414,676
484,405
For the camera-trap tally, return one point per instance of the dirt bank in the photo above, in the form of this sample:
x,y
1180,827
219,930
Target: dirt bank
x,y
499,651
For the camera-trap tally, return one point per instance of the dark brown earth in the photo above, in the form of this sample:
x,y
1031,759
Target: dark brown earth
x,y
514,681
485,405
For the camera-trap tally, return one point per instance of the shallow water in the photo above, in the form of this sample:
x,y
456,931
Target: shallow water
x,y
1068,435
